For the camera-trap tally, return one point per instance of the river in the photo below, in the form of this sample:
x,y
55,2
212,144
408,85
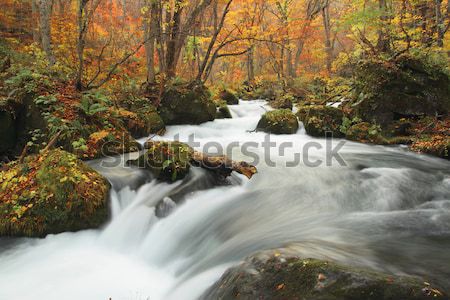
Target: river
x,y
380,207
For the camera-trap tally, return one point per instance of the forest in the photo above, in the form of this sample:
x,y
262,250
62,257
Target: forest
x,y
87,82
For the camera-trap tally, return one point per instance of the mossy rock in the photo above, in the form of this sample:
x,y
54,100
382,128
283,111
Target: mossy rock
x,y
294,278
280,121
223,112
187,104
319,120
366,133
143,121
407,86
168,161
51,193
283,102
229,97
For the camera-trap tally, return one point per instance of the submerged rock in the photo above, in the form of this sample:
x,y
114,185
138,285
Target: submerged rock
x,y
50,193
284,277
187,104
320,119
281,121
229,97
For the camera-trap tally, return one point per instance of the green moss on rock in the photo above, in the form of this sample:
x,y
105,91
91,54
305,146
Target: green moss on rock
x,y
295,278
281,121
168,161
143,121
187,104
366,133
320,119
386,90
51,193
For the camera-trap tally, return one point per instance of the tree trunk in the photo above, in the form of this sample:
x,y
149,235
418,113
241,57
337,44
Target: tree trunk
x,y
439,23
383,35
35,21
45,12
80,43
251,65
149,35
327,29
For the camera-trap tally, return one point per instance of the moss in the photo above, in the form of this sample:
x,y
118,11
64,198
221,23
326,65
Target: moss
x,y
294,278
8,138
281,121
366,133
187,104
51,193
143,121
168,161
319,119
283,102
405,86
229,97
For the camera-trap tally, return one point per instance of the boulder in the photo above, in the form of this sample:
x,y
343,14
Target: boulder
x,y
51,193
283,277
320,119
229,97
187,104
280,121
223,112
8,135
142,122
407,86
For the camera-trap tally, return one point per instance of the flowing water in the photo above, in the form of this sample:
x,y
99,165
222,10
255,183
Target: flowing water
x,y
386,208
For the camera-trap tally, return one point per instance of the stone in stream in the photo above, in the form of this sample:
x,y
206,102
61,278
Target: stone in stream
x,y
171,161
229,97
51,193
187,104
280,121
320,119
279,276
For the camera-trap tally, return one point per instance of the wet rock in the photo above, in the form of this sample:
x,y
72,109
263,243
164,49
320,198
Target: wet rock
x,y
284,277
320,120
50,193
187,104
281,121
223,112
366,133
406,86
142,121
229,97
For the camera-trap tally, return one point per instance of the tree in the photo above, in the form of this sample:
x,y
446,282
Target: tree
x,y
45,12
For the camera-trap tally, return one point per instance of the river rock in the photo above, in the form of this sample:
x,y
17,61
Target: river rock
x,y
229,97
320,119
50,193
278,276
280,121
223,112
406,86
187,104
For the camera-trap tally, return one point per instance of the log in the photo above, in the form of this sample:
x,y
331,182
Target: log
x,y
220,164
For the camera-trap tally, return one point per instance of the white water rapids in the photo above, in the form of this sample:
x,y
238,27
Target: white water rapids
x,y
387,209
